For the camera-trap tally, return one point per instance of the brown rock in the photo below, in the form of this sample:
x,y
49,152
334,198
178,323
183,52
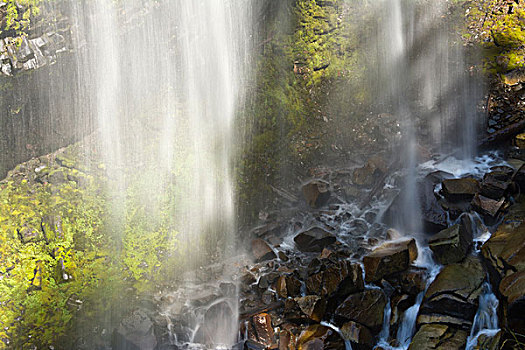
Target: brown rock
x,y
341,278
451,245
262,324
261,251
389,258
460,189
487,206
366,175
366,308
455,291
505,253
319,337
312,306
358,334
286,340
495,185
288,286
438,337
519,141
316,193
314,239
514,77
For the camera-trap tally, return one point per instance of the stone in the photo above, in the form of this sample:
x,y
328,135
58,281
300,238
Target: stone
x,y
438,337
514,77
455,291
288,286
314,239
451,245
316,193
389,258
366,175
134,332
411,281
312,306
505,255
493,187
519,141
487,206
358,334
456,190
337,279
286,340
251,344
262,324
28,234
319,337
487,342
366,308
261,251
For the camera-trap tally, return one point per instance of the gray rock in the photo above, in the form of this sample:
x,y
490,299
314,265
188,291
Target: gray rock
x,y
135,332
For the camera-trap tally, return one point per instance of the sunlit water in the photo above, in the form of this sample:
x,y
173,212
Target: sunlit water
x,y
163,81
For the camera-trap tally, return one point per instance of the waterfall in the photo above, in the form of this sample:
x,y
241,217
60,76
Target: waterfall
x,y
486,319
418,65
164,80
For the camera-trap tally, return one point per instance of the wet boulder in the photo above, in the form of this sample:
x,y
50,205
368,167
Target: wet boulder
x,y
135,332
262,251
288,286
451,245
411,281
260,330
318,337
338,278
439,337
495,185
367,174
359,335
514,77
366,308
455,190
488,207
316,193
310,307
505,254
452,297
389,258
314,239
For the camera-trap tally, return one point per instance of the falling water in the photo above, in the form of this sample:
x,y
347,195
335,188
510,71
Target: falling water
x,y
423,80
165,78
486,319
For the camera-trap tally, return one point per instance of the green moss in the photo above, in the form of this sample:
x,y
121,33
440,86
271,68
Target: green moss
x,y
500,33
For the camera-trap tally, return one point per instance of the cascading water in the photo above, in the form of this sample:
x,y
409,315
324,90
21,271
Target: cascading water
x,y
422,80
486,319
165,79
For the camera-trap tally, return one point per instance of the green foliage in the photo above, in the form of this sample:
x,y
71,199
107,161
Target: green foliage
x,y
297,68
51,249
18,15
149,234
500,27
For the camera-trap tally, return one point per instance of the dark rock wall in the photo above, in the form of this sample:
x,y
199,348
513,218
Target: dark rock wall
x,y
40,112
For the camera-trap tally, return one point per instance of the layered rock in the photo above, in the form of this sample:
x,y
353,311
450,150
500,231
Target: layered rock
x,y
451,245
452,298
389,258
314,240
505,254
